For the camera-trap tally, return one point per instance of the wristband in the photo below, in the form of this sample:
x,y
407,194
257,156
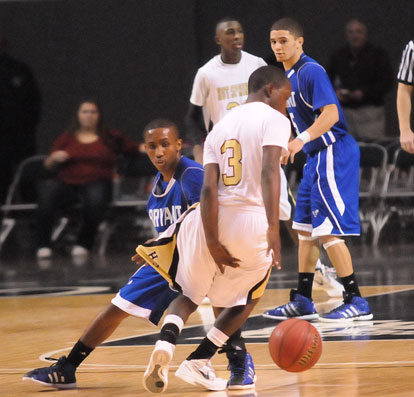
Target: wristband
x,y
304,137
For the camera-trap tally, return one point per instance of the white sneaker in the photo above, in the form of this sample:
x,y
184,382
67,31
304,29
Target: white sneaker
x,y
78,250
156,375
325,278
200,373
44,252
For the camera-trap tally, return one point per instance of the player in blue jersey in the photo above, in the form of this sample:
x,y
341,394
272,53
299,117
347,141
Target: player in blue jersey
x,y
146,295
176,187
328,195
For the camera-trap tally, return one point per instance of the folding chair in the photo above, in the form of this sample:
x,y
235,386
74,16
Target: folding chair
x,y
397,191
129,195
21,195
373,165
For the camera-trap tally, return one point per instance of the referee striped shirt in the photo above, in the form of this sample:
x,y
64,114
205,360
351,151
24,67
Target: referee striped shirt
x,y
406,70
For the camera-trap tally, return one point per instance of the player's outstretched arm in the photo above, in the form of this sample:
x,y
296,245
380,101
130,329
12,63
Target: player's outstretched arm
x,y
271,197
209,215
404,106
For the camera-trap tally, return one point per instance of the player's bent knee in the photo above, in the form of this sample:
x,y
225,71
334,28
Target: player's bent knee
x,y
332,242
303,236
115,312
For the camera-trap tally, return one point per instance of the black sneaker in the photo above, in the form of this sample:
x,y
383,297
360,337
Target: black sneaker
x,y
60,374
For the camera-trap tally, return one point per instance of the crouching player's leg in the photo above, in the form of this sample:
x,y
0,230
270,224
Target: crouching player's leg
x,y
197,369
197,275
146,296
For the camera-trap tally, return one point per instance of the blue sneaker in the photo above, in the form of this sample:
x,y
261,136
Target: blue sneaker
x,y
242,373
354,308
298,307
60,374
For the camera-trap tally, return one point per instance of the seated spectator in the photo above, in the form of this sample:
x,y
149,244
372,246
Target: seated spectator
x,y
83,158
361,74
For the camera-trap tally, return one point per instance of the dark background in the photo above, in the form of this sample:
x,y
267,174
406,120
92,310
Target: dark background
x,y
139,57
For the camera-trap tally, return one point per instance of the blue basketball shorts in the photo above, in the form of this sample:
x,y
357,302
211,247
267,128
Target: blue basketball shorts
x,y
146,295
327,201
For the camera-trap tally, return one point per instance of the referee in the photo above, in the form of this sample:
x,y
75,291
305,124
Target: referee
x,y
404,97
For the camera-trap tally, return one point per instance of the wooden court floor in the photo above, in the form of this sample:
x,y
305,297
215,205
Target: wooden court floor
x,y
373,358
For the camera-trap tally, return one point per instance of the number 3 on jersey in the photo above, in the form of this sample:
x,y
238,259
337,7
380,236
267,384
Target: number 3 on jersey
x,y
233,168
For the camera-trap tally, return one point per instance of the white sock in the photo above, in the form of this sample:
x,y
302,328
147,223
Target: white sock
x,y
217,337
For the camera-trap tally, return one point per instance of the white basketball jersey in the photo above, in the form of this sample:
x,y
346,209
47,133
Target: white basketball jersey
x,y
236,145
219,87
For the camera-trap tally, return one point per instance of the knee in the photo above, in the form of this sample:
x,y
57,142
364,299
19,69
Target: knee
x,y
244,309
329,241
114,313
306,237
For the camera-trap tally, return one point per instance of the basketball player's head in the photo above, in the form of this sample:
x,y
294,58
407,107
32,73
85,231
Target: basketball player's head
x,y
286,40
229,35
270,85
163,144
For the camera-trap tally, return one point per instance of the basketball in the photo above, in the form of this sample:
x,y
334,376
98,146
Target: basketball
x,y
295,345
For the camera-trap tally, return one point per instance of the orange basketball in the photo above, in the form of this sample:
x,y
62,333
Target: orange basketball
x,y
295,345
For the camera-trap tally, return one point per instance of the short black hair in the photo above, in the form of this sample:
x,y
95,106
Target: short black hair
x,y
227,19
290,24
266,75
161,123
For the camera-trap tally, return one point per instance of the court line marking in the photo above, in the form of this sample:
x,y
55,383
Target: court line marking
x,y
408,288
405,288
56,352
345,364
84,367
65,291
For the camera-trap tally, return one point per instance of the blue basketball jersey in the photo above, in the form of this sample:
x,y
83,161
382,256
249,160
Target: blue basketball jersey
x,y
327,198
169,200
147,294
312,90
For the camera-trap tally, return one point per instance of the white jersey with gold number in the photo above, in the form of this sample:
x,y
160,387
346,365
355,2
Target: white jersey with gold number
x,y
219,86
236,145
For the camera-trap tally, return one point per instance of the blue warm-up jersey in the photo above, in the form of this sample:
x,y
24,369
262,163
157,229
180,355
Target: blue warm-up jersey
x,y
312,90
169,200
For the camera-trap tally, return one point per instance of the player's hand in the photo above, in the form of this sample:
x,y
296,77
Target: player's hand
x,y
138,260
222,256
59,156
284,159
294,147
274,247
407,141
